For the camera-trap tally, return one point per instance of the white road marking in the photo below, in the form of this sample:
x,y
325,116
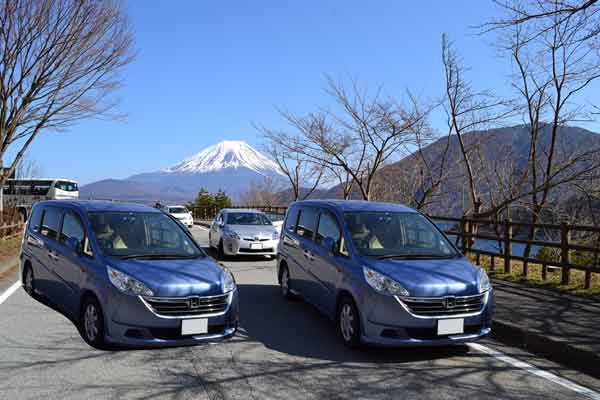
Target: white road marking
x,y
536,371
201,227
9,291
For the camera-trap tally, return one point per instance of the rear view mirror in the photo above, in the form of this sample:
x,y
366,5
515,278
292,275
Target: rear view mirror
x,y
74,245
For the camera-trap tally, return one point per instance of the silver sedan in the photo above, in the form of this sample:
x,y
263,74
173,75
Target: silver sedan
x,y
243,232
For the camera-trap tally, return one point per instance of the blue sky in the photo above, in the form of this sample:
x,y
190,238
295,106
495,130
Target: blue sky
x,y
207,70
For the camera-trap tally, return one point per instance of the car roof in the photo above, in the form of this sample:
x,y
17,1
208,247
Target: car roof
x,y
100,205
357,205
246,210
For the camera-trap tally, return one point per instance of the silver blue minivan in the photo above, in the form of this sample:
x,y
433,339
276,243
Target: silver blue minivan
x,y
126,274
384,273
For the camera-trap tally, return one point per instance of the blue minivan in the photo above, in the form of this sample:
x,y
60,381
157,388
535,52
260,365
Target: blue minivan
x,y
384,273
128,274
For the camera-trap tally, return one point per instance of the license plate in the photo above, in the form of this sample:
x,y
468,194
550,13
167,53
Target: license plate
x,y
194,326
256,246
451,326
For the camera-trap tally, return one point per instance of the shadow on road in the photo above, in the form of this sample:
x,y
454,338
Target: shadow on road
x,y
296,328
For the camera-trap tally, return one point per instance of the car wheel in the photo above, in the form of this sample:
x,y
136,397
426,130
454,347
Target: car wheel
x,y
348,323
285,283
28,280
92,322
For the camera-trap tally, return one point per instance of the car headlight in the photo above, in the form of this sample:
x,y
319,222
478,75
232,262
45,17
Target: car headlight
x,y
383,284
127,284
484,281
231,234
228,281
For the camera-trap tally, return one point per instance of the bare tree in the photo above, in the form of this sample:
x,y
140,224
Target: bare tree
x,y
303,175
59,63
262,193
27,168
468,110
546,15
357,138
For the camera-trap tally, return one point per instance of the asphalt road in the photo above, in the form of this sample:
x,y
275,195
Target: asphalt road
x,y
283,350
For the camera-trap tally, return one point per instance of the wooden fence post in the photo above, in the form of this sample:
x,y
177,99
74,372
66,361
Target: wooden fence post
x,y
565,260
507,245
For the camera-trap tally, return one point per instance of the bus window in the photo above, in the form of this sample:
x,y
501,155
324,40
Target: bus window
x,y
66,186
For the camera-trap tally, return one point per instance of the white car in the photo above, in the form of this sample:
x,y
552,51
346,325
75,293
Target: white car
x,y
181,213
243,232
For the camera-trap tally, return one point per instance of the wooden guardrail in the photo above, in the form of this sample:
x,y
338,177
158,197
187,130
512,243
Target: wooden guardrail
x,y
560,240
11,231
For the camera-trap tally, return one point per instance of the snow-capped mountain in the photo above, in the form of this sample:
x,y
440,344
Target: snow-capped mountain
x,y
226,154
229,165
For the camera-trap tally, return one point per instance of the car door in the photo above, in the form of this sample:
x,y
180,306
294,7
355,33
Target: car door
x,y
71,263
36,250
49,229
325,266
305,231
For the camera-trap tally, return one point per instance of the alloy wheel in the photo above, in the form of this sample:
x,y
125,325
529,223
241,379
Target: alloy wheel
x,y
90,322
346,322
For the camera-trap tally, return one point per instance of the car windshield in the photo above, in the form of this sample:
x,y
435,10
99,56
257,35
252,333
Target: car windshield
x,y
141,235
397,234
178,210
247,218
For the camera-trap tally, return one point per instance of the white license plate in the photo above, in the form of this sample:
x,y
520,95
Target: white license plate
x,y
255,246
451,326
194,326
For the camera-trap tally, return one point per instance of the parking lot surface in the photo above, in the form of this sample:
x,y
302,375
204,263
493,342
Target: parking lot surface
x,y
283,350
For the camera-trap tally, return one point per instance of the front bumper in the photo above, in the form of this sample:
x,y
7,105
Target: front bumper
x,y
385,322
235,247
130,322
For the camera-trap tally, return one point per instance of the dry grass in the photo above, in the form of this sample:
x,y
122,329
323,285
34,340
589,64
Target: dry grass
x,y
9,247
534,277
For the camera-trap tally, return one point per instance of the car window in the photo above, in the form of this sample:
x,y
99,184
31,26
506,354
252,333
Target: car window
x,y
72,228
178,210
328,227
291,219
247,218
50,222
307,222
36,218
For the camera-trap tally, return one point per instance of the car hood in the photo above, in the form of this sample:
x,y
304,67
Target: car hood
x,y
174,278
181,215
431,278
253,230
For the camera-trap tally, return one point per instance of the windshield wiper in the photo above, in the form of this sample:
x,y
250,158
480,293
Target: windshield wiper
x,y
408,256
159,256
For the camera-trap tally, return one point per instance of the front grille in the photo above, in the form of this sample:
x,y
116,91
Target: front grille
x,y
175,333
266,250
191,305
444,306
255,240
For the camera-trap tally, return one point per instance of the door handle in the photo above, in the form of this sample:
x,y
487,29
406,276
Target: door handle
x,y
53,256
308,255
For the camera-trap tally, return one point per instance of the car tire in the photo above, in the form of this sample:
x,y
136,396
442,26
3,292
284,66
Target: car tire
x,y
285,283
92,322
28,280
348,322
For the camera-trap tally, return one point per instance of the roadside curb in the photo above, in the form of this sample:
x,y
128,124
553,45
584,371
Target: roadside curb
x,y
551,348
204,224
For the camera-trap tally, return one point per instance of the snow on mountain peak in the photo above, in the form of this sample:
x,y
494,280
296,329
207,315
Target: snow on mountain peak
x,y
226,154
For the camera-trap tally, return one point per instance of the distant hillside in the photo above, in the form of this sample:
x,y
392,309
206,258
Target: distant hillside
x,y
502,150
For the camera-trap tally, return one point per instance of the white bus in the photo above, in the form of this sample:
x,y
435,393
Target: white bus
x,y
22,193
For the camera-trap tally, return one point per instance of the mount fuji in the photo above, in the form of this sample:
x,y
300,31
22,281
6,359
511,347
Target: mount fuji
x,y
229,165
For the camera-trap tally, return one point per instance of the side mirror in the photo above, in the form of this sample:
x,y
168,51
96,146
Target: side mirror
x,y
330,245
74,245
